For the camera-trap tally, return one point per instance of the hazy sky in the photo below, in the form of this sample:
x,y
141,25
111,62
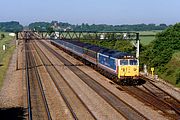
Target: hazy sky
x,y
91,11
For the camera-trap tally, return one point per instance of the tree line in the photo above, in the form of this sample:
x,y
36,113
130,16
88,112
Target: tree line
x,y
12,26
45,26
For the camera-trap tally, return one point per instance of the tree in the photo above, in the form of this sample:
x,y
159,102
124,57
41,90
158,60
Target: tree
x,y
50,30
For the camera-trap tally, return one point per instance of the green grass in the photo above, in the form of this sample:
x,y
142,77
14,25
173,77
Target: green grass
x,y
147,36
153,32
145,40
5,55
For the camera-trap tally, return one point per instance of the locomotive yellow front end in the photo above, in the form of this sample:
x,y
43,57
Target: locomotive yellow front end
x,y
128,68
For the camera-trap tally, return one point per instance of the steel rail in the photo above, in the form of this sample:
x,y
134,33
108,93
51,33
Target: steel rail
x,y
61,92
171,101
28,83
41,88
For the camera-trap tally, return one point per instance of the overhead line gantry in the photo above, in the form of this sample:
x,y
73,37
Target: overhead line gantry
x,y
83,35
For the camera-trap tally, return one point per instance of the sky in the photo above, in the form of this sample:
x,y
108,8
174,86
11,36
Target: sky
x,y
114,12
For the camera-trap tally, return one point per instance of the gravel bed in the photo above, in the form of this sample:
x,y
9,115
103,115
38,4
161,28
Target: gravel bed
x,y
98,106
57,107
174,91
79,109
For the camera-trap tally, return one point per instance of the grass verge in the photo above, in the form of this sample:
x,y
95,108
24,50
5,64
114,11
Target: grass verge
x,y
5,55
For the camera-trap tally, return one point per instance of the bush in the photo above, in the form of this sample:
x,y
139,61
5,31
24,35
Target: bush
x,y
2,36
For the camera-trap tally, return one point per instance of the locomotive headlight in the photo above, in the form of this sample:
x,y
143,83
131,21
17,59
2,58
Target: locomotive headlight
x,y
123,69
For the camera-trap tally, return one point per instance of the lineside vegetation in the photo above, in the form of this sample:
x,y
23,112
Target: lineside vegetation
x,y
164,53
5,55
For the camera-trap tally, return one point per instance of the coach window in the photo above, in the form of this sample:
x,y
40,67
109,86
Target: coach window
x,y
123,62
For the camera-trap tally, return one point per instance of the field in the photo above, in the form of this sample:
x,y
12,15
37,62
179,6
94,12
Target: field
x,y
145,40
154,32
147,36
5,55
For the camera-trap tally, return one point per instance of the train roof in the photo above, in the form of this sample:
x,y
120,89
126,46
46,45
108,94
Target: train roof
x,y
115,54
102,50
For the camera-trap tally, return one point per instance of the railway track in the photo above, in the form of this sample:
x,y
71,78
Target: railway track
x,y
153,95
77,108
120,106
169,106
162,95
37,103
149,99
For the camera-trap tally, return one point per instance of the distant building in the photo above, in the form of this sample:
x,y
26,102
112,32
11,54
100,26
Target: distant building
x,y
12,34
67,29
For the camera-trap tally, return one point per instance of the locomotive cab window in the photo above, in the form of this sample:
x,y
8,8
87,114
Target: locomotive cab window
x,y
123,62
133,62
